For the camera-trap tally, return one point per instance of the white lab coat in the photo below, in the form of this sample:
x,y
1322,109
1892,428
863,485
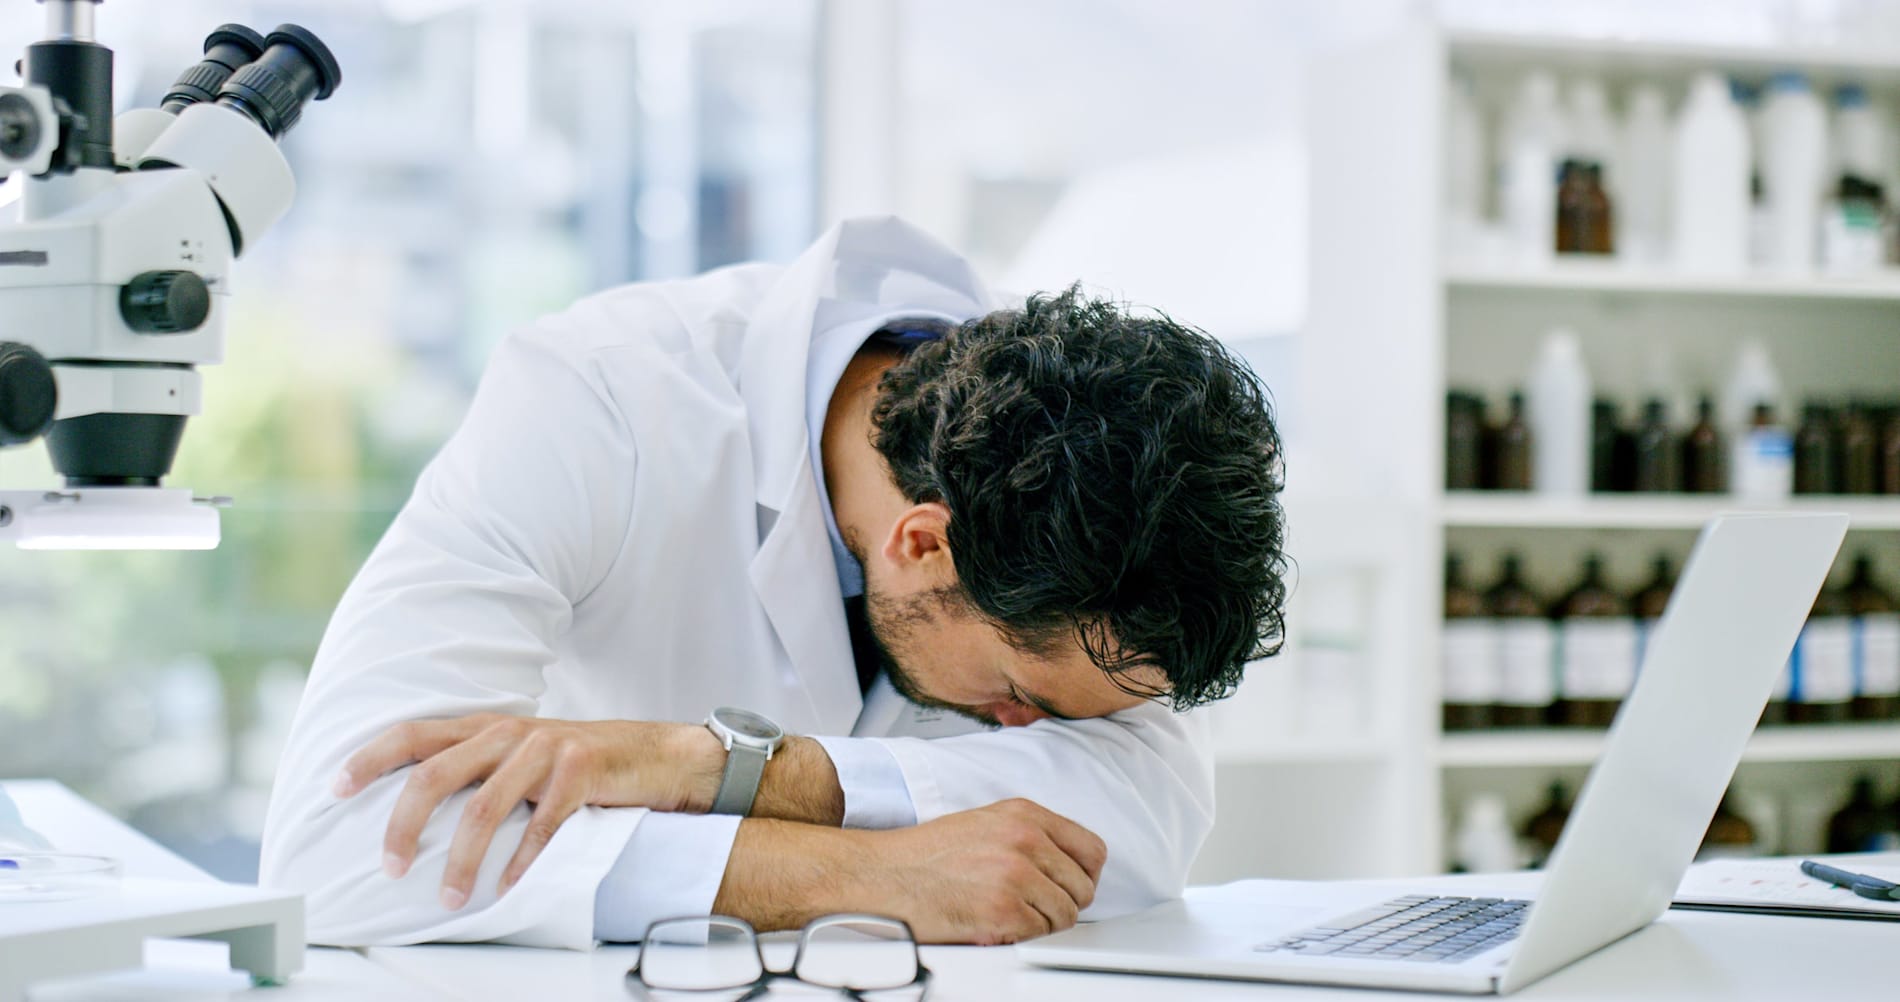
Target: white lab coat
x,y
626,526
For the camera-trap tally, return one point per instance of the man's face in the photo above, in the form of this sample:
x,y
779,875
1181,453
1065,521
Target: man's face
x,y
939,652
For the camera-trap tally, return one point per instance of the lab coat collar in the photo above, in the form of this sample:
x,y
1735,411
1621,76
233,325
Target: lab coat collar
x,y
858,267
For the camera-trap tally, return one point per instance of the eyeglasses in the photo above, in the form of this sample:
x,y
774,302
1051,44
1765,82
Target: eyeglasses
x,y
867,957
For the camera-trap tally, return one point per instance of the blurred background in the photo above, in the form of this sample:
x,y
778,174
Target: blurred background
x,y
1267,171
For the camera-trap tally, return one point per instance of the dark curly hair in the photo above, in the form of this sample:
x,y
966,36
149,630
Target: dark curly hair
x,y
1111,475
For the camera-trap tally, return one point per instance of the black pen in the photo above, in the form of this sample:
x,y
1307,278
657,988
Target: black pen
x,y
1859,883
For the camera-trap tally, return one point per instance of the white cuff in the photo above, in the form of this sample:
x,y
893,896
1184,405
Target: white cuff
x,y
671,867
875,794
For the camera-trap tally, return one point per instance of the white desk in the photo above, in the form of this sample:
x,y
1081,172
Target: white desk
x,y
182,971
1684,956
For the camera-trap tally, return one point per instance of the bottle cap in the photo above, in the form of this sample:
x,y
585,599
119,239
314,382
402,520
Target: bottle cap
x,y
1788,80
1850,96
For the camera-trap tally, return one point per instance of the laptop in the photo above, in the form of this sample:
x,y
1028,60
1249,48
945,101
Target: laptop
x,y
1670,754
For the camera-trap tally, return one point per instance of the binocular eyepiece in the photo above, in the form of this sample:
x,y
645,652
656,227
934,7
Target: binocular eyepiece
x,y
266,78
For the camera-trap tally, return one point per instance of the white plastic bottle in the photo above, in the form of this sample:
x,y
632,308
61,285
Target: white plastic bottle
x,y
1794,160
1559,413
1761,236
1485,842
1853,211
1643,166
1752,381
1464,170
1711,174
1859,141
1763,463
1527,185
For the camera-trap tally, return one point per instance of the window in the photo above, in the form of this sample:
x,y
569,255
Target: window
x,y
481,164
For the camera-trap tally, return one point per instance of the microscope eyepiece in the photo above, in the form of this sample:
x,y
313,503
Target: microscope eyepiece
x,y
295,68
227,50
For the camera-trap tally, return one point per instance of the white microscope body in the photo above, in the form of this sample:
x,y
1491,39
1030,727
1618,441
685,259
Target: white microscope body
x,y
115,267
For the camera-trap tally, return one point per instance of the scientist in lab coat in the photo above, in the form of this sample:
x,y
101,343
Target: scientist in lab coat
x,y
975,558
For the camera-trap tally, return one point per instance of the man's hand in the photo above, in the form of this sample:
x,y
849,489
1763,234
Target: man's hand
x,y
998,874
557,765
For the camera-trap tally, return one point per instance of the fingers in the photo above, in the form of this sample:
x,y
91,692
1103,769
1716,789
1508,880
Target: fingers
x,y
1061,868
564,796
1080,844
509,785
430,783
402,744
1053,904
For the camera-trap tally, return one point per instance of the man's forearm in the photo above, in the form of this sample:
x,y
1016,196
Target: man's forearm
x,y
783,874
991,875
799,783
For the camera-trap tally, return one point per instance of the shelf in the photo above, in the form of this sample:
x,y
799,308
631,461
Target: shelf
x,y
1316,752
1809,743
1615,278
1832,63
1511,510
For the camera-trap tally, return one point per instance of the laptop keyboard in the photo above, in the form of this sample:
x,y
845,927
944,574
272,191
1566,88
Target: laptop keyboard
x,y
1419,928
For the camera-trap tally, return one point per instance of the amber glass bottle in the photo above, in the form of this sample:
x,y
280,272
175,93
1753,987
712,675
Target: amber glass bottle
x,y
1603,436
1824,662
1596,651
1876,644
1464,441
1658,457
1814,457
1526,646
1583,209
1890,455
1511,450
1857,822
1469,661
1730,836
1546,826
1650,601
1704,462
1860,453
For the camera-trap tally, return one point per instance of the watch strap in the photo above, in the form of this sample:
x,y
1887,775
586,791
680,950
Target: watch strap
x,y
739,787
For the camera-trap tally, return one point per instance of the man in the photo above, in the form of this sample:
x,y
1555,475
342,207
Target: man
x,y
856,496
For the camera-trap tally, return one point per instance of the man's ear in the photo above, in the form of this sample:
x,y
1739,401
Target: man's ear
x,y
920,537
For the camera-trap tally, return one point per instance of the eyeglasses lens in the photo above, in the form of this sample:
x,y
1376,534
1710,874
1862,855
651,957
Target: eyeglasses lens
x,y
859,954
697,954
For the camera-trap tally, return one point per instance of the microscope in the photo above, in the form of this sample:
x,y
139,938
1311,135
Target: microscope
x,y
115,266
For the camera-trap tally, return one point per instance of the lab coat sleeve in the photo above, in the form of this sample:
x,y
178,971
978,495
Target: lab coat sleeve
x,y
874,792
1142,779
454,613
672,867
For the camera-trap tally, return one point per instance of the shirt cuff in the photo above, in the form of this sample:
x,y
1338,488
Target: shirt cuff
x,y
875,794
671,867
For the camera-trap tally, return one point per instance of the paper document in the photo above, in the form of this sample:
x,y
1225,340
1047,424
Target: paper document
x,y
1777,886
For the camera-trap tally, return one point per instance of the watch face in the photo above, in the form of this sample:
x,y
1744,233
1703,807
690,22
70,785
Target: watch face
x,y
747,724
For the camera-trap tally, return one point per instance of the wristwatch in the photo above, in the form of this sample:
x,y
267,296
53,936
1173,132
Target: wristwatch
x,y
750,740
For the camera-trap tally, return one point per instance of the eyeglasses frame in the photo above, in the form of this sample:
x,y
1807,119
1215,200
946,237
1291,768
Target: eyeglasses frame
x,y
760,985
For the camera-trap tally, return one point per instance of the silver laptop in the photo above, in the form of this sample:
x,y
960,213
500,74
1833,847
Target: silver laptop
x,y
1705,677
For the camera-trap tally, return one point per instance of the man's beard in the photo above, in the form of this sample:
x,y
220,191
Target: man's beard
x,y
891,620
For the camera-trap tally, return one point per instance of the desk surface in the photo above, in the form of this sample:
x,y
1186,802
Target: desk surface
x,y
180,971
1685,955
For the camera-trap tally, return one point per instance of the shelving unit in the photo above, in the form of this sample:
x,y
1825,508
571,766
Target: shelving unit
x,y
1627,57
1389,317
1610,278
1529,748
1507,510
